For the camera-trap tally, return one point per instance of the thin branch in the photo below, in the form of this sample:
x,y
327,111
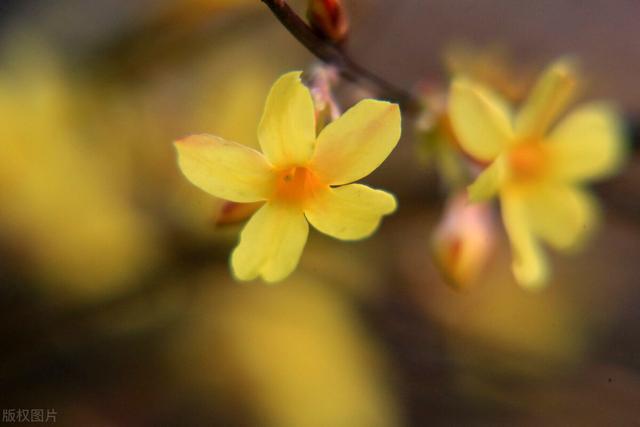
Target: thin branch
x,y
332,54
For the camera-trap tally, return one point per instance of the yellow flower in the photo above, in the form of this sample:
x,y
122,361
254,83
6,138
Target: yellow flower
x,y
298,175
537,173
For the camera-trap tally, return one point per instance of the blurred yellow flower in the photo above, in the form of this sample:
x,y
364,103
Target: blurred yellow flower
x,y
537,174
296,176
293,356
61,204
491,65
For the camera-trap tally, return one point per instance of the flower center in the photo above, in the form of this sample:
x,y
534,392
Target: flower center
x,y
528,160
296,184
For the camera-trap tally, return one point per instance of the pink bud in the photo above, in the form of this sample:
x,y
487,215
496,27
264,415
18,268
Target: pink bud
x,y
233,213
463,240
328,19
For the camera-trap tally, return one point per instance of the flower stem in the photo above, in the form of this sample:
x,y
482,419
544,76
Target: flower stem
x,y
332,54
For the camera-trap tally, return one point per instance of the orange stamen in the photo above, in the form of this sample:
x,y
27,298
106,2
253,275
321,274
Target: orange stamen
x,y
296,184
528,160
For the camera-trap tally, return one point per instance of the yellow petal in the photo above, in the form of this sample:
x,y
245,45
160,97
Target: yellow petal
x,y
588,144
287,129
549,97
529,264
562,215
355,144
480,119
271,243
350,212
489,181
225,169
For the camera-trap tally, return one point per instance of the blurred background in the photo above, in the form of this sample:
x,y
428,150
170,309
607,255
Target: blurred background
x,y
117,307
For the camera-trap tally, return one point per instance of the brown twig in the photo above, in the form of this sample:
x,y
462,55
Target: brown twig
x,y
334,55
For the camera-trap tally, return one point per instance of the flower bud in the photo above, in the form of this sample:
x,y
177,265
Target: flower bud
x,y
328,19
233,212
463,241
321,80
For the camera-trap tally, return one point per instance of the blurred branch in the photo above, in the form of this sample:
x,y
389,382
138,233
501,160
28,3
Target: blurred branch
x,y
332,54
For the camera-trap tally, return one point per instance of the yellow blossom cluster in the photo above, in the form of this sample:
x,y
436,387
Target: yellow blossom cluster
x,y
536,166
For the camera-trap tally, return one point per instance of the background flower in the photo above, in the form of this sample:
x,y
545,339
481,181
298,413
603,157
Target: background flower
x,y
536,171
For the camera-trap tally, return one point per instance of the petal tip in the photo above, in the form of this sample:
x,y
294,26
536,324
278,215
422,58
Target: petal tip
x,y
395,110
566,71
566,66
466,84
393,106
392,206
273,279
465,87
460,79
237,272
191,140
533,285
291,75
182,141
461,84
531,279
